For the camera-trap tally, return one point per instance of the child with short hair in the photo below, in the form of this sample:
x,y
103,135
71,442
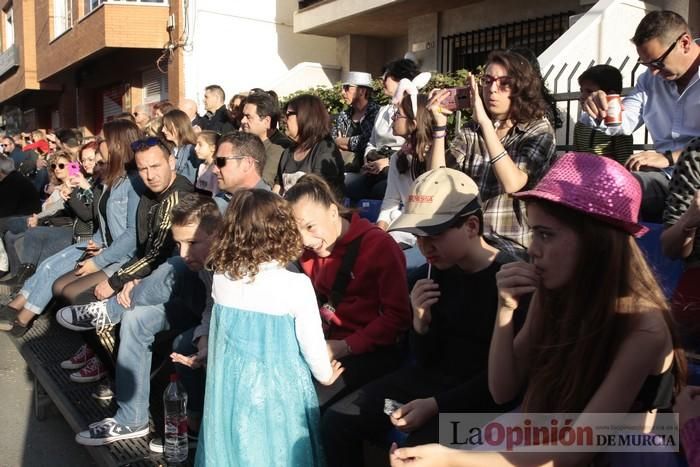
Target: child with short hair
x,y
205,150
588,139
265,335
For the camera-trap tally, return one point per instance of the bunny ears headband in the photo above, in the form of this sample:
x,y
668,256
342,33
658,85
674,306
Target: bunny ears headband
x,y
411,87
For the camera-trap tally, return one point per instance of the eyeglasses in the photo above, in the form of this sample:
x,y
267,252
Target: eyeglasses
x,y
221,160
146,143
59,166
398,116
289,113
504,82
346,87
659,62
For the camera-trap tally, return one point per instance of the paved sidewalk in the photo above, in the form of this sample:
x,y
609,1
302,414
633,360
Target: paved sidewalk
x,y
24,441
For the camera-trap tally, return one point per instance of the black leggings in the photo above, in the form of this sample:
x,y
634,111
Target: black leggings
x,y
71,287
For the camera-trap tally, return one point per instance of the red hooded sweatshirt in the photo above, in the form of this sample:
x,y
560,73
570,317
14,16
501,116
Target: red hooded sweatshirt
x,y
375,309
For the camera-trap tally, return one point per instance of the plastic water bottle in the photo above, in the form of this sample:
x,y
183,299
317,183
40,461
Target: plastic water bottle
x,y
175,444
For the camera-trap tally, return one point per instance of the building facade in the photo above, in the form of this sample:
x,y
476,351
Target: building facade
x,y
446,35
78,63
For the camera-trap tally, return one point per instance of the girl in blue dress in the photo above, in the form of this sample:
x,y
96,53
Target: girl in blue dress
x,y
265,342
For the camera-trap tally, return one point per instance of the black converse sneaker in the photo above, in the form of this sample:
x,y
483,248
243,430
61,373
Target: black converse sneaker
x,y
108,431
84,317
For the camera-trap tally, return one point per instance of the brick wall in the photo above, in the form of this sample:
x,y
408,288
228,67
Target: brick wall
x,y
111,25
24,77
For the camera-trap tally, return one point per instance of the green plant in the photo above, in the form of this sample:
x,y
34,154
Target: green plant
x,y
331,95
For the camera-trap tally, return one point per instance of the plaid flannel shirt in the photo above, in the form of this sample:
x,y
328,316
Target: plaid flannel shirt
x,y
531,146
343,127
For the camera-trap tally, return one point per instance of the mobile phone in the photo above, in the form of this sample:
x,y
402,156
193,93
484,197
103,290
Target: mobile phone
x,y
73,169
391,406
89,250
458,99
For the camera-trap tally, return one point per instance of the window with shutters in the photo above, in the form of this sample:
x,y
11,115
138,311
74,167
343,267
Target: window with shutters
x,y
155,86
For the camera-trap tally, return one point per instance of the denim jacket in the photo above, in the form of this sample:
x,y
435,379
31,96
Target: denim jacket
x,y
186,162
121,219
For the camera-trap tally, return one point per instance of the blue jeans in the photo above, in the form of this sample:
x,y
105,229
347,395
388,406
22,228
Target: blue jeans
x,y
138,329
167,299
37,289
14,224
42,242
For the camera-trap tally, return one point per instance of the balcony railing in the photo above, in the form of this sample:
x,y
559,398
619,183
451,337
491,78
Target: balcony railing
x,y
92,5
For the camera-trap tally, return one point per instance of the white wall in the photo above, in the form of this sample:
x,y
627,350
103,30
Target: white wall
x,y
602,34
241,44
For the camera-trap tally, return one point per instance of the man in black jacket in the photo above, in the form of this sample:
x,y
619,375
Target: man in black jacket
x,y
217,117
154,240
17,194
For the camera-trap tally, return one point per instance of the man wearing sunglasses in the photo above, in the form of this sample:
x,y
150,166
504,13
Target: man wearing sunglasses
x,y
666,98
154,242
142,115
353,126
239,162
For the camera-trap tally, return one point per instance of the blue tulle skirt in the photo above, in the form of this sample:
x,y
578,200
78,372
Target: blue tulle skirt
x,y
260,405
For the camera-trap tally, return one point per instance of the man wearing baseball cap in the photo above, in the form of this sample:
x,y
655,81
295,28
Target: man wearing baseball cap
x,y
353,126
454,310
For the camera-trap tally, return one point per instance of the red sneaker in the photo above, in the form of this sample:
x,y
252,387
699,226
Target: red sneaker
x,y
79,359
91,372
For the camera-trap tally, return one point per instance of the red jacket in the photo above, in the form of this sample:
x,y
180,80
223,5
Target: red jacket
x,y
375,309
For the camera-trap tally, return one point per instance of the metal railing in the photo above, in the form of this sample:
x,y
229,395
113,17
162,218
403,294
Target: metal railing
x,y
564,88
469,50
91,5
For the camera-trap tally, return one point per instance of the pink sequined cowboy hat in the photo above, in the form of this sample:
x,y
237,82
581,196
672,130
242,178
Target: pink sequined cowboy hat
x,y
595,185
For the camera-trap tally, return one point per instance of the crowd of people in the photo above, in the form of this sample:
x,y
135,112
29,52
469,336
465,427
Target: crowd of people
x,y
499,276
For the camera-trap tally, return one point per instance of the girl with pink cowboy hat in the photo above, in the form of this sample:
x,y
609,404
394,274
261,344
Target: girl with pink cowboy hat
x,y
598,336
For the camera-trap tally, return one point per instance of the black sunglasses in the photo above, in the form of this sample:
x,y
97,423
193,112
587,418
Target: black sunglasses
x,y
220,161
60,166
289,113
146,143
659,62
